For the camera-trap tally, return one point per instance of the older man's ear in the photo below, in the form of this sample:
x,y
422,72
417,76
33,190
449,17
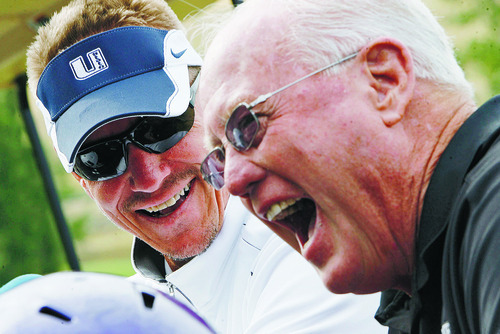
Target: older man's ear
x,y
389,70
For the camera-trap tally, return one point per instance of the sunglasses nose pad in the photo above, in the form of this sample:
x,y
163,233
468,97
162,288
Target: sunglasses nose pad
x,y
130,141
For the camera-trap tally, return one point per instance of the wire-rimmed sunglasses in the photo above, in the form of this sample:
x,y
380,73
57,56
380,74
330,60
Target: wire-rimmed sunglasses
x,y
241,129
109,158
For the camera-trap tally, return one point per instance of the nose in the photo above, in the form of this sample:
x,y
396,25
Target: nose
x,y
241,173
146,171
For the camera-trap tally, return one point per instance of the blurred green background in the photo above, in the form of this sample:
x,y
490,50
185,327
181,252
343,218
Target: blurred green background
x,y
29,242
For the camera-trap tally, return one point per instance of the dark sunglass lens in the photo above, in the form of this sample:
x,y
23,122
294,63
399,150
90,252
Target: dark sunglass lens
x,y
241,128
212,168
101,162
160,134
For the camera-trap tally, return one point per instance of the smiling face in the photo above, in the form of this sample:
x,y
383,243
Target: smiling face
x,y
324,171
161,198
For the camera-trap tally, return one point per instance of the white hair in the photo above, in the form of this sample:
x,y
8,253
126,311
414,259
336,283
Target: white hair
x,y
202,26
322,31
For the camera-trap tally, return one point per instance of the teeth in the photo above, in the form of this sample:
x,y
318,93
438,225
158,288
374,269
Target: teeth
x,y
170,202
277,208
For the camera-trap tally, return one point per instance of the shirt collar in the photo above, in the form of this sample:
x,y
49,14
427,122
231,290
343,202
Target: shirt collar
x,y
457,159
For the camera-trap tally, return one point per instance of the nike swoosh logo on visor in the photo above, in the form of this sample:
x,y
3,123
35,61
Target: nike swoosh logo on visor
x,y
177,54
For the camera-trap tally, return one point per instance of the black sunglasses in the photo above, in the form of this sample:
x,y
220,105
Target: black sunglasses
x,y
241,129
109,158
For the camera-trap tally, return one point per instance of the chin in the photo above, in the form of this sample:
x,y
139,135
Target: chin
x,y
184,255
351,282
340,278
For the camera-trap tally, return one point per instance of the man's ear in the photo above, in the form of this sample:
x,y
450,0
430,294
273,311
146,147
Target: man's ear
x,y
84,183
389,67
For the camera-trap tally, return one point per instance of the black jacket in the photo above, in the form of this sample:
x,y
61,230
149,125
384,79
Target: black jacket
x,y
456,284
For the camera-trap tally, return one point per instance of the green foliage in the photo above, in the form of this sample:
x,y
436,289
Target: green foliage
x,y
28,240
486,54
79,227
481,49
486,10
115,265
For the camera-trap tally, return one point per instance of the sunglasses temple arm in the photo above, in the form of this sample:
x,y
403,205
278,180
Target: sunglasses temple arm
x,y
263,98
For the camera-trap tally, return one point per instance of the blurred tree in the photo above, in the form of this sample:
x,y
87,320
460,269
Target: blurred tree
x,y
478,50
28,240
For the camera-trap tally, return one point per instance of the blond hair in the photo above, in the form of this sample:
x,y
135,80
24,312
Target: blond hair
x,y
84,18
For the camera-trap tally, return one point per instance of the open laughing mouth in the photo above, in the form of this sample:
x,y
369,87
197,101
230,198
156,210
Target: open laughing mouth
x,y
169,206
297,215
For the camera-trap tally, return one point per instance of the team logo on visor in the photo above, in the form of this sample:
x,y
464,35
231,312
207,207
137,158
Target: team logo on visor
x,y
97,64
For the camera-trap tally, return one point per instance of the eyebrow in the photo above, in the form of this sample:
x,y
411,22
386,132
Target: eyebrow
x,y
210,141
220,123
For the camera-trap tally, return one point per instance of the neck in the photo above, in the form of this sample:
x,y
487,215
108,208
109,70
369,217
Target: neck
x,y
445,113
176,264
433,118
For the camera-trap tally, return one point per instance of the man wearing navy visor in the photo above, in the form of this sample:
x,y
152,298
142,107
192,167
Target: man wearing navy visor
x,y
115,81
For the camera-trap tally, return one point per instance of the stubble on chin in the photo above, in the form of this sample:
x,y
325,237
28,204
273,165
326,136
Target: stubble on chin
x,y
187,253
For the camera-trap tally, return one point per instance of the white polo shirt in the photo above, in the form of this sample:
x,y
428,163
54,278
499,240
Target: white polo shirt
x,y
250,281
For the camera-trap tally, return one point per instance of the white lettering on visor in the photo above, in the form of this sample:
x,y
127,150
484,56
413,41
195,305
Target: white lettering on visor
x,y
97,64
